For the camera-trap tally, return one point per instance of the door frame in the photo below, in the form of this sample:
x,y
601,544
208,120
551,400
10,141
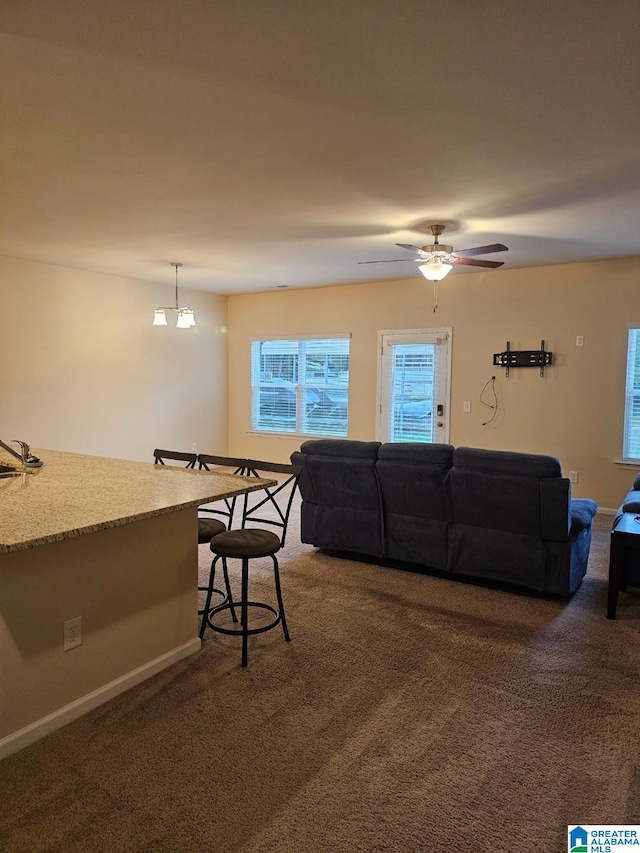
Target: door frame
x,y
440,330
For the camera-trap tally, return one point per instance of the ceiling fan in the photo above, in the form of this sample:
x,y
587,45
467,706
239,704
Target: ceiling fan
x,y
437,259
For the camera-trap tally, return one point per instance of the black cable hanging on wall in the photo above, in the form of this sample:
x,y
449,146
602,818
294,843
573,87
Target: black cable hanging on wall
x,y
493,405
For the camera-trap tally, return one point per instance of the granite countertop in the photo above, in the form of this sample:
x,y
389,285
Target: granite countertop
x,y
74,494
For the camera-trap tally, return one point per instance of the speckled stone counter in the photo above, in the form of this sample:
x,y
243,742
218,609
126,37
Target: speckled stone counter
x,y
115,544
74,494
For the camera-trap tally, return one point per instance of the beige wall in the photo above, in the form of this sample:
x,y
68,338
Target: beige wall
x,y
82,368
575,412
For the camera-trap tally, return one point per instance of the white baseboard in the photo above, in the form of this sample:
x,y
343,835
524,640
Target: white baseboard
x,y
604,510
40,728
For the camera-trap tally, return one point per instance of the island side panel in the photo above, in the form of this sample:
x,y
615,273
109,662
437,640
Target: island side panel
x,y
135,587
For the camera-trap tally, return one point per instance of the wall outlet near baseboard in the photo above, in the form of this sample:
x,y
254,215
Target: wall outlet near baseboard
x,y
573,476
194,447
72,633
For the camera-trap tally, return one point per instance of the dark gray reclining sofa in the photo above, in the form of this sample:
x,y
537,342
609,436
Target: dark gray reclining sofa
x,y
491,514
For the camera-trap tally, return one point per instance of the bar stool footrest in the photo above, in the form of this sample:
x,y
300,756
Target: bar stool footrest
x,y
237,605
220,592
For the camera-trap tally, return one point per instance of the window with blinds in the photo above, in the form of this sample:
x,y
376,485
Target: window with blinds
x,y
631,440
300,386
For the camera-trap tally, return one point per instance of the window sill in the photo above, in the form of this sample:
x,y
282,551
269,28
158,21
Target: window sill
x,y
620,463
297,435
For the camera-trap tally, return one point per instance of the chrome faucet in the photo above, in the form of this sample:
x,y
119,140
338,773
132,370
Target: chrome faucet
x,y
25,456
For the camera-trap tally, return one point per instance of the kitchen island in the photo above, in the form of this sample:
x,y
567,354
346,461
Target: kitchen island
x,y
110,541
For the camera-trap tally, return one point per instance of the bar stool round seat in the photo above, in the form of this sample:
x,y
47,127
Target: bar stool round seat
x,y
245,543
208,528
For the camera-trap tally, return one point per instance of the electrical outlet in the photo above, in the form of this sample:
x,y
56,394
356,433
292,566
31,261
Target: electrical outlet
x,y
579,340
573,476
466,406
194,447
72,633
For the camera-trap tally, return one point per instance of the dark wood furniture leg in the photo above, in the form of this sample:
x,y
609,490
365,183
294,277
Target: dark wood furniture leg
x,y
616,569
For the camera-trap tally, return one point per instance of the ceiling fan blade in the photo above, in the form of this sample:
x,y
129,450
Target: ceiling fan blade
x,y
481,250
492,265
411,248
391,261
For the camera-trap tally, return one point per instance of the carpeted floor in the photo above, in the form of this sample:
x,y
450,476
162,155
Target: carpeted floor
x,y
409,713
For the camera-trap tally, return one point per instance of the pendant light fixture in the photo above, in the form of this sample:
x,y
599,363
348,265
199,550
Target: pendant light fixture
x,y
186,317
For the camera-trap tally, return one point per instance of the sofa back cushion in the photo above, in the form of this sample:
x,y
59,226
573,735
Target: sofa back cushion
x,y
414,480
504,506
341,497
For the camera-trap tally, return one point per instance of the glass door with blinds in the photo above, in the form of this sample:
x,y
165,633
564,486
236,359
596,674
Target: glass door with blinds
x,y
631,436
415,378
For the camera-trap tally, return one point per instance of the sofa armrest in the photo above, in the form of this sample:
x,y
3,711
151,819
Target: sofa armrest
x,y
631,502
582,512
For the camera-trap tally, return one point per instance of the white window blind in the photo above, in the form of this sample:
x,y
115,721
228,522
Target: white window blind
x,y
300,386
412,393
631,440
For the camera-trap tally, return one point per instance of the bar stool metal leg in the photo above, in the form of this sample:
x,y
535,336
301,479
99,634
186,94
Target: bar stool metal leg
x,y
276,573
244,618
228,600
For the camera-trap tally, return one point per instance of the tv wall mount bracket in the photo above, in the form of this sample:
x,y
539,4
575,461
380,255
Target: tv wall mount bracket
x,y
523,358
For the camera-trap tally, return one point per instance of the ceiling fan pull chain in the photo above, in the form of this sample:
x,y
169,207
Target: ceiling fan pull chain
x,y
435,296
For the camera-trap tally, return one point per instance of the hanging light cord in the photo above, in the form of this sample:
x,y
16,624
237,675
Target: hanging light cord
x,y
176,265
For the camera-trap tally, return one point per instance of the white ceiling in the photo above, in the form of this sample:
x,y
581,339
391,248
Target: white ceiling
x,y
280,143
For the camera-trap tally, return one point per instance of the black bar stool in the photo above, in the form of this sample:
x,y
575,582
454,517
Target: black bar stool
x,y
210,527
270,507
159,457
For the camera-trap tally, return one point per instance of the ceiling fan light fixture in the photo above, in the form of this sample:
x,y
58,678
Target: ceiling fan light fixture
x,y
435,270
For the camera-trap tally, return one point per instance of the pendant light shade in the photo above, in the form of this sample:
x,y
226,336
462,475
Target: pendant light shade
x,y
185,316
